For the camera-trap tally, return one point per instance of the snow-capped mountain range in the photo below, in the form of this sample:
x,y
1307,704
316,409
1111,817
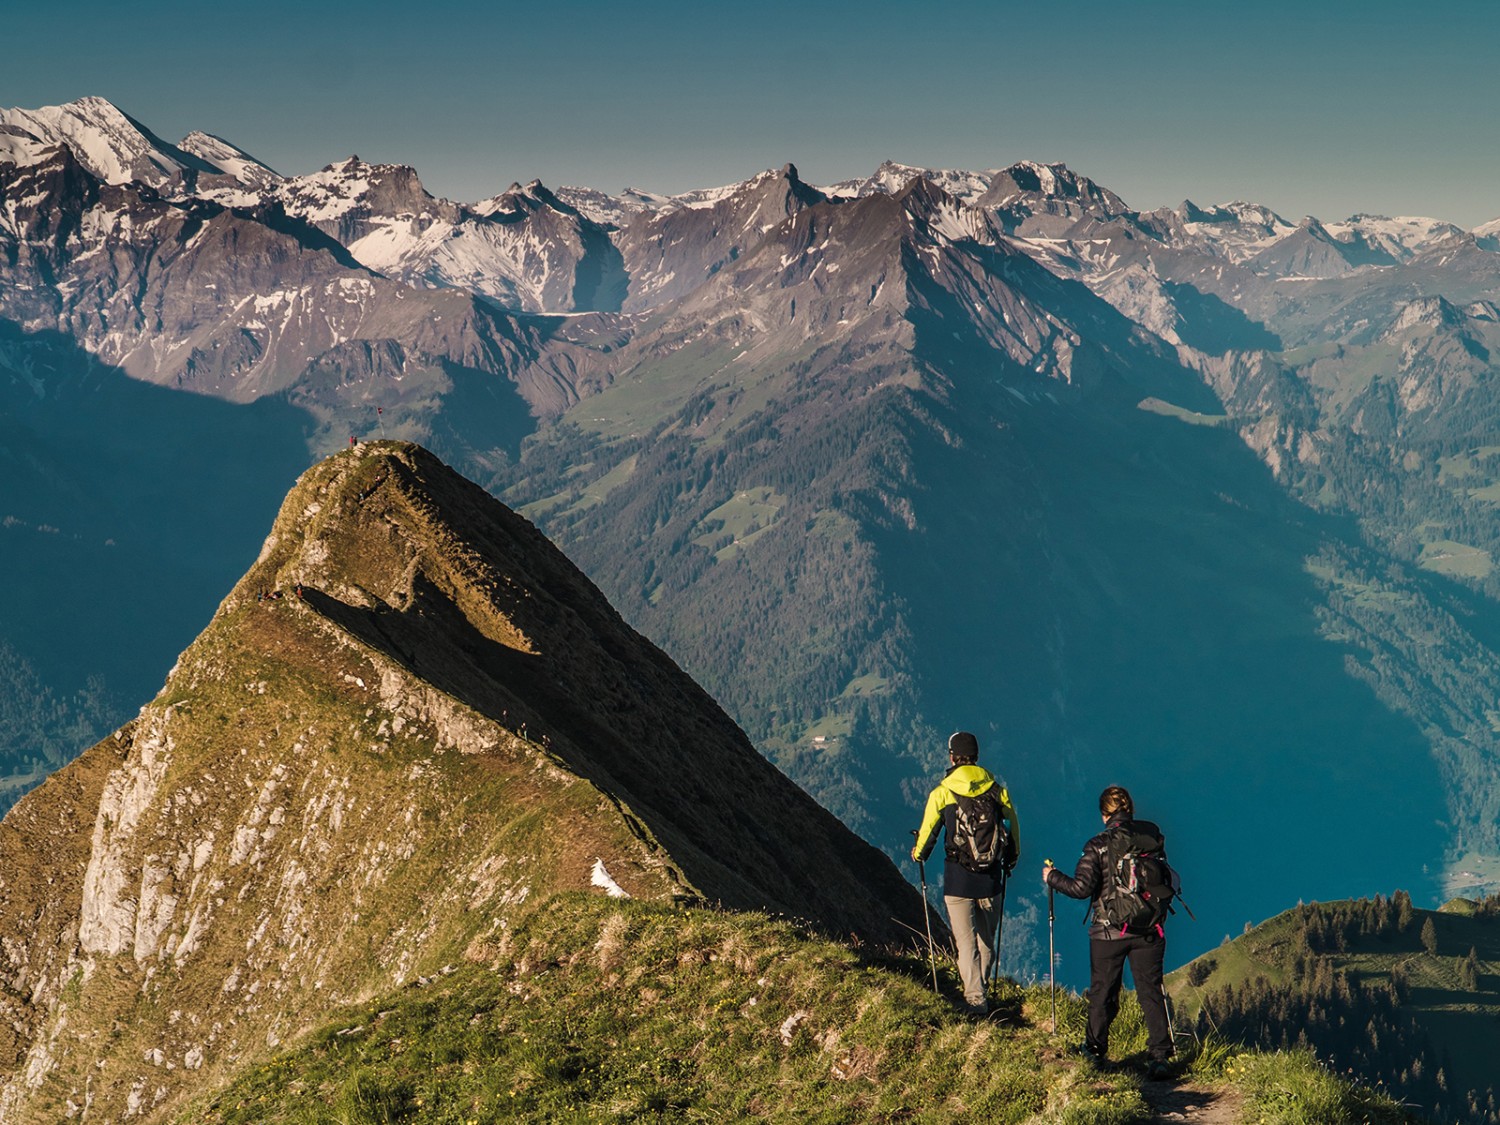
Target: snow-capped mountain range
x,y
198,265
873,375
118,149
521,249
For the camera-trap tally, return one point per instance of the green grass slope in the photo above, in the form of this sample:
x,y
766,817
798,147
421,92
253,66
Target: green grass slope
x,y
608,1011
1408,998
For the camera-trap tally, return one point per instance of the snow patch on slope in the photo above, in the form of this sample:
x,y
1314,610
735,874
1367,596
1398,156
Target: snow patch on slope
x,y
1402,237
230,159
892,177
104,140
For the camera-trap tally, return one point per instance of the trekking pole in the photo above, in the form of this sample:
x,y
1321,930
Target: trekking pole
x,y
1051,952
927,921
999,929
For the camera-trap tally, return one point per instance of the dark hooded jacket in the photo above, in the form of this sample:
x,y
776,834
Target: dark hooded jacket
x,y
1088,877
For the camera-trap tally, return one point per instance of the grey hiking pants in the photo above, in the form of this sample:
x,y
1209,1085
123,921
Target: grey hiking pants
x,y
972,921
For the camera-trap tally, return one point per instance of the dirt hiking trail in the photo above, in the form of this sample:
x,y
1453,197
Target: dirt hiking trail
x,y
1186,1104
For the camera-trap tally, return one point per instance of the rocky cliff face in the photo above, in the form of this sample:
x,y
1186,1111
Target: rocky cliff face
x,y
247,305
411,724
671,254
196,295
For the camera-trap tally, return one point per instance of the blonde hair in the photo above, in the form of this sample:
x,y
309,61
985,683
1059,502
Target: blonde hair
x,y
1116,799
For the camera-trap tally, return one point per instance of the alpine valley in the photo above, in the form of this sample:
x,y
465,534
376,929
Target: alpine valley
x,y
1200,500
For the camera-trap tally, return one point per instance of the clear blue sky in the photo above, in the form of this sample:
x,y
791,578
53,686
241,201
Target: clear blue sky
x,y
1324,107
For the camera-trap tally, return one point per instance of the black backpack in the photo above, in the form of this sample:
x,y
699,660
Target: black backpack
x,y
1138,886
979,837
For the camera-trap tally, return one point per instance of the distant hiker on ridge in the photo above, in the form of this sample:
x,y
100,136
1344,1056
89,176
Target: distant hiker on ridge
x,y
982,844
1124,873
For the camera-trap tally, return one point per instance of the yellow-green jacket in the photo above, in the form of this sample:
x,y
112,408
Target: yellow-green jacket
x,y
970,781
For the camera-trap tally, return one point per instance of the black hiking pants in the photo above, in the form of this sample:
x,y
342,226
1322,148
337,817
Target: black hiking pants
x,y
1107,957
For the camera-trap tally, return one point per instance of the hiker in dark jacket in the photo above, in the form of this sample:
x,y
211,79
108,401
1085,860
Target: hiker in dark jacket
x,y
968,895
1112,941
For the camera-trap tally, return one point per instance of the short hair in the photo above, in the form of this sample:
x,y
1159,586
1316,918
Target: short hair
x,y
964,747
1116,799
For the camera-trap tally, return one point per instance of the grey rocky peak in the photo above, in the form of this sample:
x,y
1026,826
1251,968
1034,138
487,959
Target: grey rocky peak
x,y
610,210
231,160
109,143
669,254
1234,232
1434,312
891,177
1030,187
517,200
1238,212
1053,204
354,200
1313,251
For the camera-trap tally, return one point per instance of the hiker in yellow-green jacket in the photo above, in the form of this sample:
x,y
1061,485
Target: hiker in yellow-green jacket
x,y
982,844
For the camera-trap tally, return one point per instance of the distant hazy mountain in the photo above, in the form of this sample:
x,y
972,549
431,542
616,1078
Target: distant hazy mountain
x,y
891,178
1198,499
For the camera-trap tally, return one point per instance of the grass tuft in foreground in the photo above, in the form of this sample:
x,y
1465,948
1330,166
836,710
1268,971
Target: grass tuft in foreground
x,y
1293,1088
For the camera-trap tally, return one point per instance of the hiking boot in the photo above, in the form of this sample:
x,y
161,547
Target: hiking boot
x,y
1158,1070
1087,1051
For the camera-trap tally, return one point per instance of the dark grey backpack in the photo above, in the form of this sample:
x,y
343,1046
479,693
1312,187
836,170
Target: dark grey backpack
x,y
979,834
1138,888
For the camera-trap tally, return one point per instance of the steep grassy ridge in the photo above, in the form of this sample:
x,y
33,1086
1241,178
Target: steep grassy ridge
x,y
410,724
602,1011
